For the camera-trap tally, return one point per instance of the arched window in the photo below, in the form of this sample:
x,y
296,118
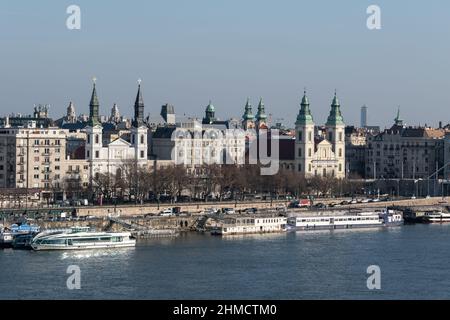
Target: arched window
x,y
96,139
142,139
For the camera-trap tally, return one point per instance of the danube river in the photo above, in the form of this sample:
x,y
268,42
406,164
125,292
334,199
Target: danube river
x,y
414,263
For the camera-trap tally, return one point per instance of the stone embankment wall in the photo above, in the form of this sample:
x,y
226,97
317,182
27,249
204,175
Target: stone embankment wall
x,y
197,209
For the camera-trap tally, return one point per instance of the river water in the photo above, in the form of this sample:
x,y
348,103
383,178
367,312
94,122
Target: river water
x,y
414,262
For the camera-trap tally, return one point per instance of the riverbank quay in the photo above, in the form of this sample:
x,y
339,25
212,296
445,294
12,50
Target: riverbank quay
x,y
199,208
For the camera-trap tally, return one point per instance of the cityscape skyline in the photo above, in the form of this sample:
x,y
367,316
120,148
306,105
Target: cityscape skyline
x,y
187,56
127,112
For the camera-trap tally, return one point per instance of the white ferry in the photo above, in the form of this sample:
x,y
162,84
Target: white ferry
x,y
81,238
250,225
346,221
436,217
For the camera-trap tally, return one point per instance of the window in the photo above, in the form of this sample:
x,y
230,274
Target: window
x,y
86,167
89,139
299,167
299,136
57,150
96,139
340,152
330,136
1,167
309,136
36,176
340,136
57,176
57,167
47,142
97,154
46,151
57,142
340,167
142,139
57,159
88,154
324,172
309,167
36,142
309,153
132,139
299,152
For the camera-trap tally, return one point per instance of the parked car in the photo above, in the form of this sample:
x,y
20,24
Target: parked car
x,y
228,210
167,212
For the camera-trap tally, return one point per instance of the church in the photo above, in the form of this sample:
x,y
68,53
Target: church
x,y
109,157
316,151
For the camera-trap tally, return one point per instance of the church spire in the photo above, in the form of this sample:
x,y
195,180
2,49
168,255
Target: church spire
x,y
94,107
335,117
398,120
248,114
138,108
304,116
261,114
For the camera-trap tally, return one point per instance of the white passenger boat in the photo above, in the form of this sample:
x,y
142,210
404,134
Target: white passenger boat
x,y
436,217
80,238
386,218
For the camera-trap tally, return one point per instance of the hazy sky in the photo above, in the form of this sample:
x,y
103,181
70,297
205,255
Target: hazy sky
x,y
188,52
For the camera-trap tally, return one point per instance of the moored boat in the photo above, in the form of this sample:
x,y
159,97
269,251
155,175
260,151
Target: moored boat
x,y
372,219
436,217
79,239
250,225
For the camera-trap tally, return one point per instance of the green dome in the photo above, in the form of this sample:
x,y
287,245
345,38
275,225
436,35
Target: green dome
x,y
210,108
304,115
335,117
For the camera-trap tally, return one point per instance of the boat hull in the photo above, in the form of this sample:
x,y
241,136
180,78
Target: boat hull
x,y
438,220
333,227
46,247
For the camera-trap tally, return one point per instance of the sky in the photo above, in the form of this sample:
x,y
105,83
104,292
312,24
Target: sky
x,y
190,52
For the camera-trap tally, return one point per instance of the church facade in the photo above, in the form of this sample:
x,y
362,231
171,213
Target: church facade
x,y
318,151
109,157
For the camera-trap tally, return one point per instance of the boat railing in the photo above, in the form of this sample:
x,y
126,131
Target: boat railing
x,y
49,232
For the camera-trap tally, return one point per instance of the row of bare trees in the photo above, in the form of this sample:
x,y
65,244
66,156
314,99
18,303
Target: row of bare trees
x,y
133,183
